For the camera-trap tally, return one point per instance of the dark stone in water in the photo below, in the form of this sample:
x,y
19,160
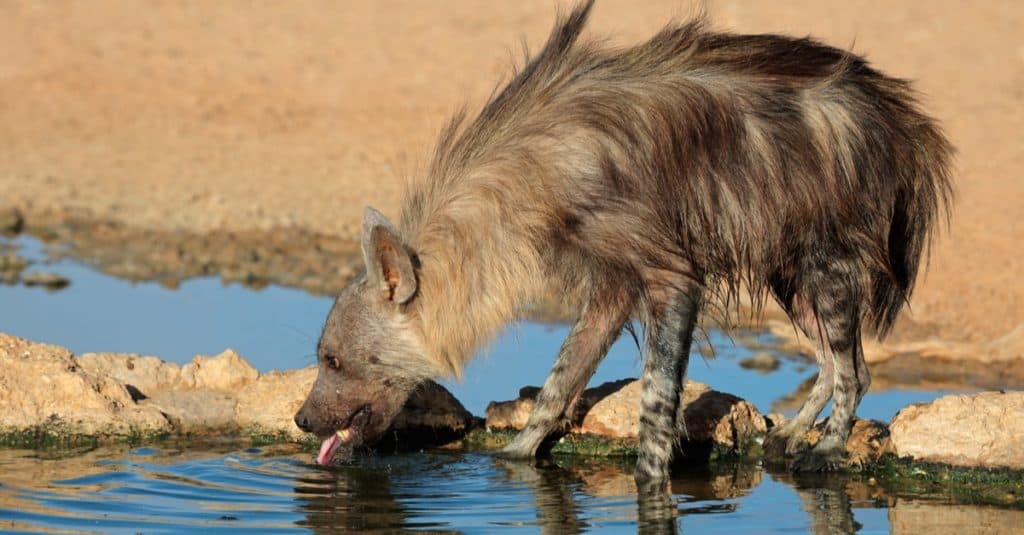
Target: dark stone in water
x,y
50,281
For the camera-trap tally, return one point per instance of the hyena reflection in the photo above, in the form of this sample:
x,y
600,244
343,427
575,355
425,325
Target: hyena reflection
x,y
645,182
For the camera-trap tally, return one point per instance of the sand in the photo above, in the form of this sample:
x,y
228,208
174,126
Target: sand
x,y
204,116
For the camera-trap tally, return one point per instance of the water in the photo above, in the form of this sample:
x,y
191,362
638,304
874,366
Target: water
x,y
174,488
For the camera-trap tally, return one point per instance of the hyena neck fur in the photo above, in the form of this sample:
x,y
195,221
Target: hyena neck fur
x,y
478,262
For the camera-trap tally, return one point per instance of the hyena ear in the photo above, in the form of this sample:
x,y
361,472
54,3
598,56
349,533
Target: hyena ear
x,y
389,264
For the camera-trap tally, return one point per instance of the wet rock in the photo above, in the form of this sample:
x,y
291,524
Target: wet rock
x,y
431,407
43,387
50,281
762,362
613,410
11,266
867,443
981,430
226,371
148,375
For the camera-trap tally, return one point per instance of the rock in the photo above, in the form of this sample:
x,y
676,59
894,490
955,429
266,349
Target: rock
x,y
867,443
268,405
196,411
11,220
431,407
149,375
980,430
226,371
508,414
50,281
11,266
111,394
762,362
613,410
43,386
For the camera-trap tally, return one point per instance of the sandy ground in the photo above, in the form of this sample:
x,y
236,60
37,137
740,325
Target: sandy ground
x,y
257,115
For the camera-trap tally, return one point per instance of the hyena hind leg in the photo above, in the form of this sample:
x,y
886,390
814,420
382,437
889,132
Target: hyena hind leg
x,y
664,375
597,328
787,440
837,307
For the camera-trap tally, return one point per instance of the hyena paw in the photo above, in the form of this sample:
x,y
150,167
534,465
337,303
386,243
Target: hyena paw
x,y
523,446
775,444
782,443
651,472
826,456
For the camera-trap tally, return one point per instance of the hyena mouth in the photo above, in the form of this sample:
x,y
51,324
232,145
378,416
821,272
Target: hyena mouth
x,y
345,435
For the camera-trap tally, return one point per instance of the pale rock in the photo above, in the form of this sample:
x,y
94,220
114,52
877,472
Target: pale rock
x,y
981,430
44,385
146,374
613,410
226,371
196,411
268,404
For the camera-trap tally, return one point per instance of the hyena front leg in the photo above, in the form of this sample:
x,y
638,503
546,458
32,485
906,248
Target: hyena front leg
x,y
837,308
589,339
668,355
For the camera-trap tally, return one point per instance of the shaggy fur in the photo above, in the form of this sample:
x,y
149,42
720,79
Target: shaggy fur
x,y
650,181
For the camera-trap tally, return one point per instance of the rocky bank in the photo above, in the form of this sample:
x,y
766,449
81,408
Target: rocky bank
x,y
48,393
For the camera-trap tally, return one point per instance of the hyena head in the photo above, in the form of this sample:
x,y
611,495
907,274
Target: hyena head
x,y
370,356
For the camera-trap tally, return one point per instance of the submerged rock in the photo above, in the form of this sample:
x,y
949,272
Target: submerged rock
x,y
11,266
979,430
50,281
763,362
613,410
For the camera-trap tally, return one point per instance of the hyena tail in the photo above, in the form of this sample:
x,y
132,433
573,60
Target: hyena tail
x,y
921,200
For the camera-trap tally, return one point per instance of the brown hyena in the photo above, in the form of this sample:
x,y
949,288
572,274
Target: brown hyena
x,y
645,182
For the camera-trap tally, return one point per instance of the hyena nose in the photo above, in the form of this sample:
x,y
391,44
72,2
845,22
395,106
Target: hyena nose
x,y
302,422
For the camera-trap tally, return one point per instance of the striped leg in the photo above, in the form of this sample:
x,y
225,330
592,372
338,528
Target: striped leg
x,y
591,336
669,336
787,440
837,307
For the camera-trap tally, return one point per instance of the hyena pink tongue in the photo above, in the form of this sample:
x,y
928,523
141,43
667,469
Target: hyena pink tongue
x,y
328,449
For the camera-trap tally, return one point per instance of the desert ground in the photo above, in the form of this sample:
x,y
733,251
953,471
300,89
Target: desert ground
x,y
257,116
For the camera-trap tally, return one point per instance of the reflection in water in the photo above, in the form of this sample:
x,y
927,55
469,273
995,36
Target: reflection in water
x,y
279,489
350,498
826,502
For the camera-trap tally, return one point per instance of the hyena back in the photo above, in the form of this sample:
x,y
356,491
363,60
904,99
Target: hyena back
x,y
644,183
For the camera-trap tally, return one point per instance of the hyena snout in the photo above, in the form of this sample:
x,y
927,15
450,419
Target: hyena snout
x,y
302,420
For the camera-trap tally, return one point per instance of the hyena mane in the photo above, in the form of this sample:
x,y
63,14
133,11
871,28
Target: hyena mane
x,y
728,161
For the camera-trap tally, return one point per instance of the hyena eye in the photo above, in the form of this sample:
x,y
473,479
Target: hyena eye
x,y
332,362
